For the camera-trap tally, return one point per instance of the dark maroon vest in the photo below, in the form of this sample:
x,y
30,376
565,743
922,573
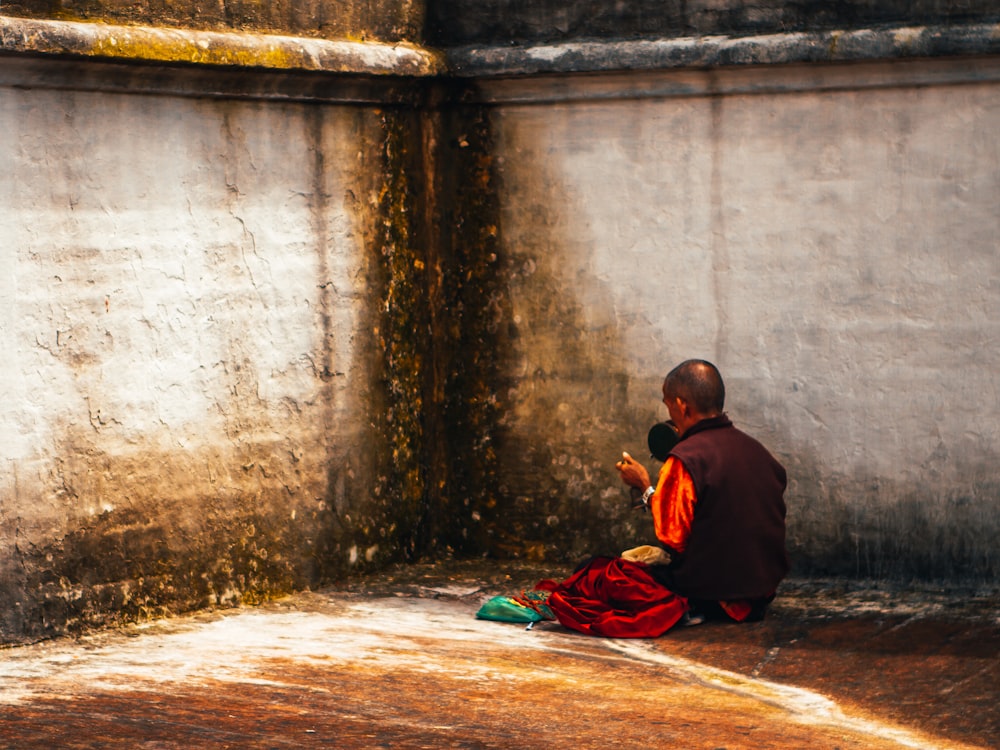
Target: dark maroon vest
x,y
736,549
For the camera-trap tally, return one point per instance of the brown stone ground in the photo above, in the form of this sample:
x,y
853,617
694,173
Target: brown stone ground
x,y
398,660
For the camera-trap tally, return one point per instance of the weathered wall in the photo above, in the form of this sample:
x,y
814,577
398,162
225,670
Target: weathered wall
x,y
213,357
828,236
384,20
281,308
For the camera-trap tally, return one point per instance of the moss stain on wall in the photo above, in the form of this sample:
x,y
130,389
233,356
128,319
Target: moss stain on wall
x,y
129,566
472,328
376,490
403,331
171,538
441,331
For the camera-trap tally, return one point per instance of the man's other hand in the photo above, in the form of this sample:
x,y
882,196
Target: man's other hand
x,y
632,472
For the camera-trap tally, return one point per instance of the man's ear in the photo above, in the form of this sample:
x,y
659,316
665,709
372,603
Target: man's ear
x,y
686,410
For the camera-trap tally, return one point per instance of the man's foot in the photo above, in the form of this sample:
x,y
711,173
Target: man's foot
x,y
690,619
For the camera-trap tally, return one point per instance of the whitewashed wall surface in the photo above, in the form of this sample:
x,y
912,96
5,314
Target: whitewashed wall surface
x,y
829,237
185,294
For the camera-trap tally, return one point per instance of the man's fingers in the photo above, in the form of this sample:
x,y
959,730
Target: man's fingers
x,y
626,459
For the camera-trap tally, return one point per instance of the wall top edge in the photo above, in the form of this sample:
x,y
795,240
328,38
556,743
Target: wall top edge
x,y
858,45
276,54
162,45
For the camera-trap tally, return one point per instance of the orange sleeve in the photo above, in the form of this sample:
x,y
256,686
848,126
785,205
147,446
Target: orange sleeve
x,y
672,505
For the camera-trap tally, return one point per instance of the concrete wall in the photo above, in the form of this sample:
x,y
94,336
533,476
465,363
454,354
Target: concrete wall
x,y
194,377
827,235
242,279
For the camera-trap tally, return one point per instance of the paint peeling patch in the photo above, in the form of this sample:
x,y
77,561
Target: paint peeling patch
x,y
550,53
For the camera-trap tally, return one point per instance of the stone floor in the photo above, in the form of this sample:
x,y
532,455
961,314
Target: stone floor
x,y
398,660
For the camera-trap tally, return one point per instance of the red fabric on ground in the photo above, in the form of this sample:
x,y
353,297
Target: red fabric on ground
x,y
615,598
738,610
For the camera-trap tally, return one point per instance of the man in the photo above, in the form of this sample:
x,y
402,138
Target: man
x,y
717,505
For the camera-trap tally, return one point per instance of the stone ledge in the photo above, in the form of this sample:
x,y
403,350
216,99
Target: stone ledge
x,y
143,44
274,53
863,45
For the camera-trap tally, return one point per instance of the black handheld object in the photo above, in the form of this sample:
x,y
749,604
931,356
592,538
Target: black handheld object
x,y
661,440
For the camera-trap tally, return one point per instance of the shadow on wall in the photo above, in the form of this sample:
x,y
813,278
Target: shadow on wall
x,y
568,415
491,394
567,411
871,527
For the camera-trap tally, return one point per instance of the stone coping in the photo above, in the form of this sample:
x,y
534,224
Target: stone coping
x,y
176,46
862,45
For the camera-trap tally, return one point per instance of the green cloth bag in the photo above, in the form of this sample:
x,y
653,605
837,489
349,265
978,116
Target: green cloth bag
x,y
530,607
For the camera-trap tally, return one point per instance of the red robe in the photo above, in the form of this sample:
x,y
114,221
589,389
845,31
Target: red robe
x,y
615,598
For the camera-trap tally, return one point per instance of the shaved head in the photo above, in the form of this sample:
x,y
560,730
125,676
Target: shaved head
x,y
699,383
